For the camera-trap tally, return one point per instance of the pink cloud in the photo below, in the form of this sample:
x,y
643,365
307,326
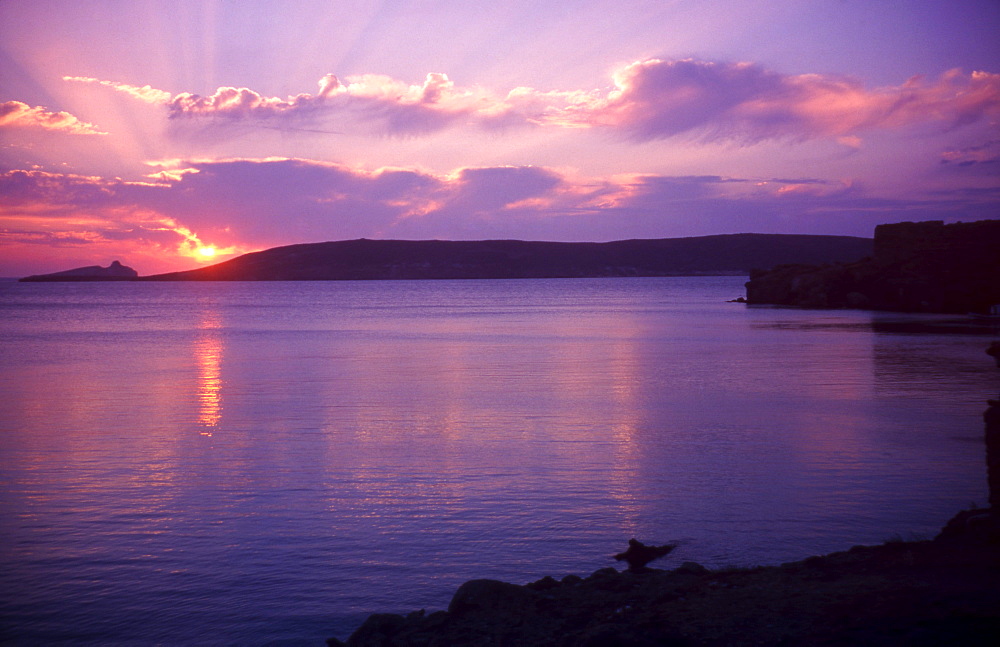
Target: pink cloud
x,y
651,99
236,103
744,102
399,107
956,99
69,214
984,154
144,93
15,114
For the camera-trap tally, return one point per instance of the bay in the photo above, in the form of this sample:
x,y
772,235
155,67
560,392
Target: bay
x,y
268,463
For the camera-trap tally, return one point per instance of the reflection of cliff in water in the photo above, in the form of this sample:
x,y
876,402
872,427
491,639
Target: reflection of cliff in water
x,y
943,326
910,355
889,323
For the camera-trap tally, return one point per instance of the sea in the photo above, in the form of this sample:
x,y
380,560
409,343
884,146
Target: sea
x,y
268,463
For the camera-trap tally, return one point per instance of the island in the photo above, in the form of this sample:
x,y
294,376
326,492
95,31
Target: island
x,y
915,267
114,272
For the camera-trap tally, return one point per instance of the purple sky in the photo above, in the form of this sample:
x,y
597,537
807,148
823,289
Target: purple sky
x,y
145,131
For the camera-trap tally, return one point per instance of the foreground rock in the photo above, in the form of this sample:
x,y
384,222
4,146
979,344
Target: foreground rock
x,y
941,592
915,267
114,272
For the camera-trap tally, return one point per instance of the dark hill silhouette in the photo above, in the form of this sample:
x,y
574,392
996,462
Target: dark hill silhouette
x,y
488,259
916,267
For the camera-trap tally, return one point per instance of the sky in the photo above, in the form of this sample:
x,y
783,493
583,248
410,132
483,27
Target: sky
x,y
171,134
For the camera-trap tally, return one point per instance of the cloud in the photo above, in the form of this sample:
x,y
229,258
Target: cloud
x,y
107,216
492,189
654,98
52,192
650,99
144,93
15,114
743,102
984,154
397,107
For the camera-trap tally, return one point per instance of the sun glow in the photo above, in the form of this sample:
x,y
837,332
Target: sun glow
x,y
207,252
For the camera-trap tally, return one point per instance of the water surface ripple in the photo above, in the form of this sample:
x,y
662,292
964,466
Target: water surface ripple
x,y
252,463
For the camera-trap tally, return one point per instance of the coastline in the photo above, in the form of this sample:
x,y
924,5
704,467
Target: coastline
x,y
940,591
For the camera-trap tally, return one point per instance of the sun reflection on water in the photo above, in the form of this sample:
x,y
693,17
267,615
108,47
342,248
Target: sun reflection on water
x,y
208,355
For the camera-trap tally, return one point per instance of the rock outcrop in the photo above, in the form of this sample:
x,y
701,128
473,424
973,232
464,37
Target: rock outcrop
x,y
639,554
915,267
902,593
114,272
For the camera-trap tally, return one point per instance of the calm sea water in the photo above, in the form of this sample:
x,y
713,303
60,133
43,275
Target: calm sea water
x,y
268,463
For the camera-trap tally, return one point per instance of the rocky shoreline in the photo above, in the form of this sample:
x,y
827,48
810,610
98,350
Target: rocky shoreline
x,y
940,592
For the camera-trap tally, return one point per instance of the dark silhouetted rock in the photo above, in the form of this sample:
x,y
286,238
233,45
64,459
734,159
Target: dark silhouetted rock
x,y
492,596
894,594
546,583
378,629
114,272
639,554
994,352
691,567
915,267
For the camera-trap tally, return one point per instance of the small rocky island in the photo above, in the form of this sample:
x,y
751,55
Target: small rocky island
x,y
914,267
114,272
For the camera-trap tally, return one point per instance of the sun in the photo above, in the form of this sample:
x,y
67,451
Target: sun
x,y
207,252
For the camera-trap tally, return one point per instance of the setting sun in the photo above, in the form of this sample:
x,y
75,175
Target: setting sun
x,y
206,252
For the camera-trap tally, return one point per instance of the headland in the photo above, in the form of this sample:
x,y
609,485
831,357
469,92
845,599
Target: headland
x,y
915,267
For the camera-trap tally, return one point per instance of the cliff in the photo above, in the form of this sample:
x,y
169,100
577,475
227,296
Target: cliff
x,y
915,267
490,259
114,272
